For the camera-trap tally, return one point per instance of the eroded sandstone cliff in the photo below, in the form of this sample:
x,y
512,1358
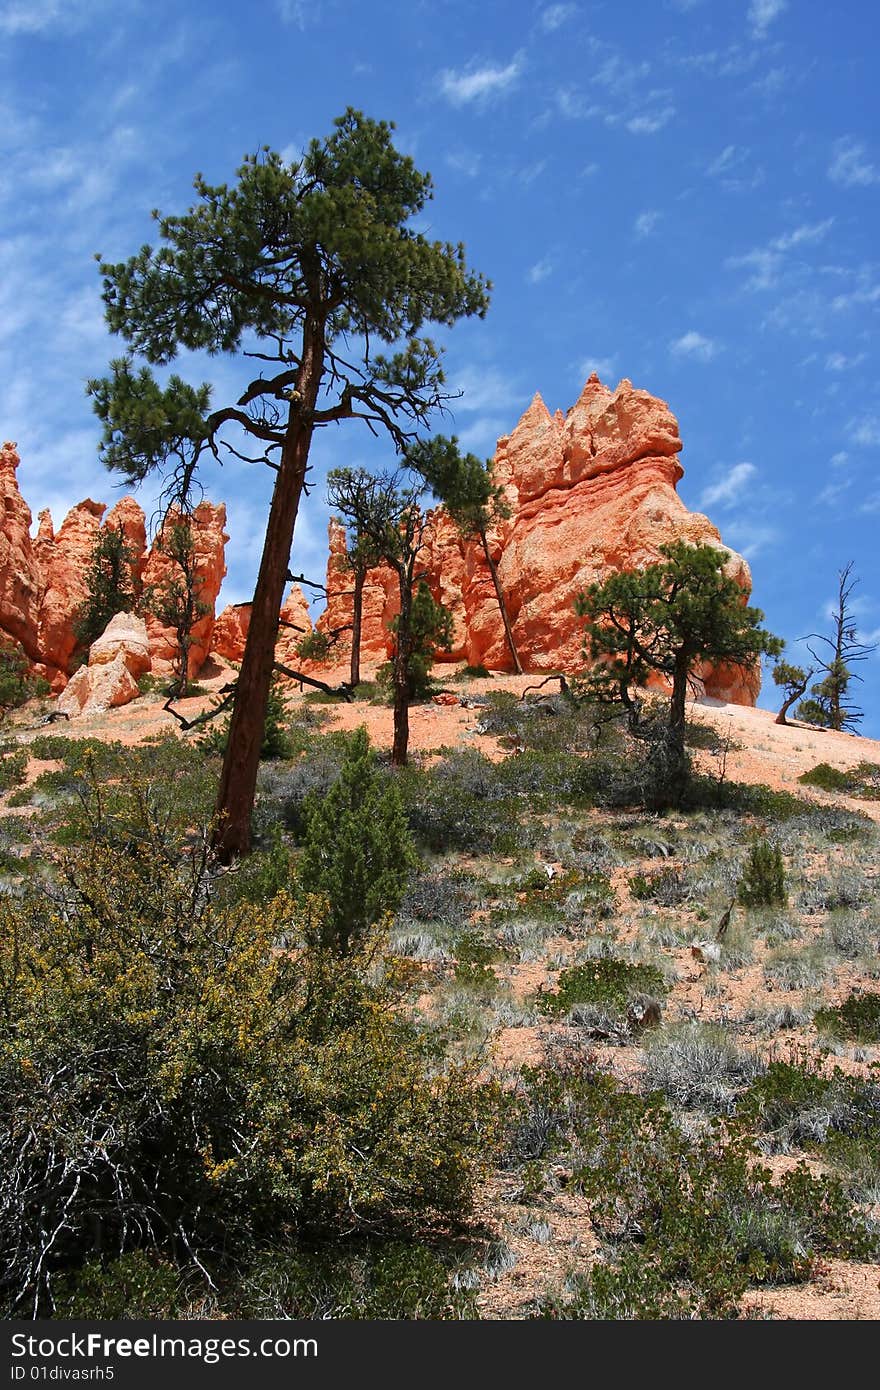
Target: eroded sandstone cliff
x,y
589,491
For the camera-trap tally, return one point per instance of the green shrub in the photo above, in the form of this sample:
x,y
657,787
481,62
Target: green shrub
x,y
17,683
762,883
473,961
376,1281
666,887
277,740
830,779
461,803
134,1285
13,767
57,747
687,1223
358,851
606,982
856,1019
863,780
699,1065
171,1081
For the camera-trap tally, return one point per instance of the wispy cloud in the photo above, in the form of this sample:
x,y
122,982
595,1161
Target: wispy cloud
x,y
604,367
850,166
484,432
751,536
540,271
19,17
832,492
479,84
484,390
865,432
695,345
839,362
646,222
651,122
762,13
729,489
766,262
620,94
298,13
734,171
808,231
555,16
466,162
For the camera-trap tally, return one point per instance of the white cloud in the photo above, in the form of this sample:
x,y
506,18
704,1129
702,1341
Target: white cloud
x,y
865,432
728,490
840,459
539,271
734,171
729,156
555,16
38,16
465,162
484,389
696,345
766,262
865,294
483,434
762,13
808,231
649,124
832,493
479,84
295,12
604,367
763,263
839,362
646,222
850,166
749,537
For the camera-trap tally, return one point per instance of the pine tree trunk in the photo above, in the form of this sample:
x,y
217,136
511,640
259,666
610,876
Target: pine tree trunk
x,y
360,576
401,674
238,779
508,632
787,704
678,761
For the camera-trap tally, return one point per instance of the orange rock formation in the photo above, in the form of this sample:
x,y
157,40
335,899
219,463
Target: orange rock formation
x,y
589,492
43,579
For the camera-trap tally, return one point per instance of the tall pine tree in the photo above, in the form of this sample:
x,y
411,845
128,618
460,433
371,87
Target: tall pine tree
x,y
308,267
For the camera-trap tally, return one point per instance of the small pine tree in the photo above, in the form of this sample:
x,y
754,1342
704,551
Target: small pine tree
x,y
110,587
176,600
358,849
17,684
276,740
793,680
431,631
763,878
314,646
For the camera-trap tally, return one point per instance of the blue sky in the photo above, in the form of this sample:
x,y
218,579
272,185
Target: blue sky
x,y
684,192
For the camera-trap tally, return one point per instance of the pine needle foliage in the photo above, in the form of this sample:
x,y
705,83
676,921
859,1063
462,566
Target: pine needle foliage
x,y
358,849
